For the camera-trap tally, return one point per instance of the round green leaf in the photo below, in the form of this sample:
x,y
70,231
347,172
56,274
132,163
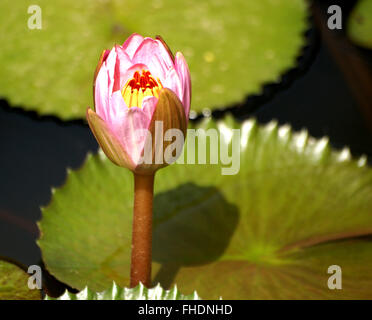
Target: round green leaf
x,y
13,283
360,24
269,231
232,47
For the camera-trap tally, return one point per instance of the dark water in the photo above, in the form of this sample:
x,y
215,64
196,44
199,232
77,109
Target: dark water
x,y
322,102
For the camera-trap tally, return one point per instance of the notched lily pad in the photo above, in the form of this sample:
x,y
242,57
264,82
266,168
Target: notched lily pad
x,y
233,47
295,208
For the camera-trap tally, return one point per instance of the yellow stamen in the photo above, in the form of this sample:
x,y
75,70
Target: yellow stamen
x,y
140,86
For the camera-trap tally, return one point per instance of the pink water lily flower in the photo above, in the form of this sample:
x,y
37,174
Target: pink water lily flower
x,y
136,84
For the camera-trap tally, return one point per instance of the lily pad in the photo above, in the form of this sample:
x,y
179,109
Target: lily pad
x,y
13,283
271,231
138,293
233,47
360,24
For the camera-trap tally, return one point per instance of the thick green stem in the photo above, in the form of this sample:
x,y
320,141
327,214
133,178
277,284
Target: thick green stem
x,y
142,230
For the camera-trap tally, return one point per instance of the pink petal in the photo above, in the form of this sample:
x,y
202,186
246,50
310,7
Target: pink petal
x,y
130,125
153,54
102,92
117,78
117,108
173,82
149,105
108,141
110,64
167,55
184,74
131,44
124,62
107,52
132,132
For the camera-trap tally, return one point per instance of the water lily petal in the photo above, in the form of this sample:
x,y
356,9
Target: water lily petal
x,y
184,74
117,109
110,64
161,41
131,44
153,54
133,132
123,63
129,124
108,141
149,105
173,82
101,60
101,96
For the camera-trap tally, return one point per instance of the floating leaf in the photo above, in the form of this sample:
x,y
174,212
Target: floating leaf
x,y
232,47
13,283
271,231
138,293
360,24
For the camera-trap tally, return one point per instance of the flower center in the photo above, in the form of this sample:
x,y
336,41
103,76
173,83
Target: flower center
x,y
140,86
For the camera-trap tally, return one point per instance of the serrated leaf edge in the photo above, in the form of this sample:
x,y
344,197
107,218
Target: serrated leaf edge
x,y
140,292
